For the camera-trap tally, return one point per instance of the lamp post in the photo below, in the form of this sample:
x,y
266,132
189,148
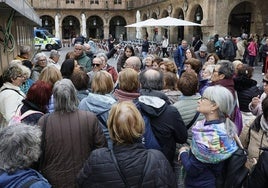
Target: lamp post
x,y
70,22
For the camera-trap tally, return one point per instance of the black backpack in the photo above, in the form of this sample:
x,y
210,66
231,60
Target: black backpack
x,y
234,173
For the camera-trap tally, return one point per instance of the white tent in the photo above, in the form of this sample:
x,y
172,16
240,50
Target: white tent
x,y
169,21
145,23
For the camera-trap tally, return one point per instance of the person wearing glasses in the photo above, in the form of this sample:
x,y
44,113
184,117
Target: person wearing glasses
x,y
40,61
11,95
212,139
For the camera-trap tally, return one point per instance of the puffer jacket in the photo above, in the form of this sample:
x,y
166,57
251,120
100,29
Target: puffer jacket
x,y
135,163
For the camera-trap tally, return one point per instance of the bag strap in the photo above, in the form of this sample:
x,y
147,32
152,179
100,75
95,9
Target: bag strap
x,y
238,141
118,169
120,172
29,112
13,90
193,120
43,141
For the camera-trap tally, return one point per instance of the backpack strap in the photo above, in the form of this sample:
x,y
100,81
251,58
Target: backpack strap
x,y
118,168
29,112
193,120
13,90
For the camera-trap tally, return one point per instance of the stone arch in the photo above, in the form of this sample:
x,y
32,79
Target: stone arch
x,y
178,32
194,11
70,27
48,23
117,27
95,27
240,18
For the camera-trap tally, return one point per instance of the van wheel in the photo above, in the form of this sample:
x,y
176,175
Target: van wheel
x,y
49,47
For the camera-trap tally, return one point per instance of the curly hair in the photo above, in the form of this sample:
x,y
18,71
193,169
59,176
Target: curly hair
x,y
19,147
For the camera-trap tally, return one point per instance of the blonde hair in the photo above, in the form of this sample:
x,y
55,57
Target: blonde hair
x,y
50,74
128,80
102,83
125,123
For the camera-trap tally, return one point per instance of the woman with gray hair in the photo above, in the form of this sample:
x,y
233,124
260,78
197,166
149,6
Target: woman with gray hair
x,y
40,62
69,134
19,149
213,139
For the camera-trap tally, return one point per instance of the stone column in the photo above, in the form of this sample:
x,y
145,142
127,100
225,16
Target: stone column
x,y
84,31
57,27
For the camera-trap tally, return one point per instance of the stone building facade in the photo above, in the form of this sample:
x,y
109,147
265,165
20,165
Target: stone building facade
x,y
98,18
17,20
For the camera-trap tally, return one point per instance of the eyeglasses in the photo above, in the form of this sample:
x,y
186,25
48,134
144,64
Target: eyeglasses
x,y
21,76
42,60
93,65
205,98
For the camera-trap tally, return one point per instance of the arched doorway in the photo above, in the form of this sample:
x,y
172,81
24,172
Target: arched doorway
x,y
95,27
198,17
70,27
180,29
240,19
48,23
166,29
117,27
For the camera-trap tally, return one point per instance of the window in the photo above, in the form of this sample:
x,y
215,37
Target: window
x,y
69,1
119,2
94,1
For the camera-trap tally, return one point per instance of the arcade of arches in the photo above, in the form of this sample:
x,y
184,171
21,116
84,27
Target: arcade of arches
x,y
232,17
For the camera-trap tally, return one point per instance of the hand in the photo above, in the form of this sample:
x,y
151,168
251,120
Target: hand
x,y
255,101
183,148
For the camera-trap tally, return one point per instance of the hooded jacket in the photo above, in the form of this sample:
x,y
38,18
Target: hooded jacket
x,y
166,122
22,177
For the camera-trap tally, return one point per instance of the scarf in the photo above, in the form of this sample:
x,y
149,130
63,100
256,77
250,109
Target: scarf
x,y
211,143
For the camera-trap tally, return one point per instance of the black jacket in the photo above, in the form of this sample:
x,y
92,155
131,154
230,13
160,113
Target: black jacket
x,y
134,161
259,176
33,118
166,121
246,89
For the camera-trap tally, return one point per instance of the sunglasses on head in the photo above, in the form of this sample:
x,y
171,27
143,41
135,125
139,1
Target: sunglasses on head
x,y
93,65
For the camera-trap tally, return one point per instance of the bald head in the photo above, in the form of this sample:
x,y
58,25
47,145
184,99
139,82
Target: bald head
x,y
151,79
133,62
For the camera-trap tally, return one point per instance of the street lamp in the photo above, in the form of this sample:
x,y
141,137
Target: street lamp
x,y
94,22
70,22
118,22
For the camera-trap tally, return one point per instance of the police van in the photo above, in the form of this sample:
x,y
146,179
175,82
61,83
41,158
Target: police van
x,y
46,41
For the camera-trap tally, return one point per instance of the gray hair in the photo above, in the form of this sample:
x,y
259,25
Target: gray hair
x,y
19,146
101,54
65,97
151,79
226,68
25,49
38,56
225,100
54,53
26,71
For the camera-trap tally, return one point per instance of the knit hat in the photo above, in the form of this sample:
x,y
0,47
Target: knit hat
x,y
203,48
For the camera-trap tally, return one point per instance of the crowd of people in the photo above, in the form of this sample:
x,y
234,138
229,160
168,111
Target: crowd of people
x,y
85,123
